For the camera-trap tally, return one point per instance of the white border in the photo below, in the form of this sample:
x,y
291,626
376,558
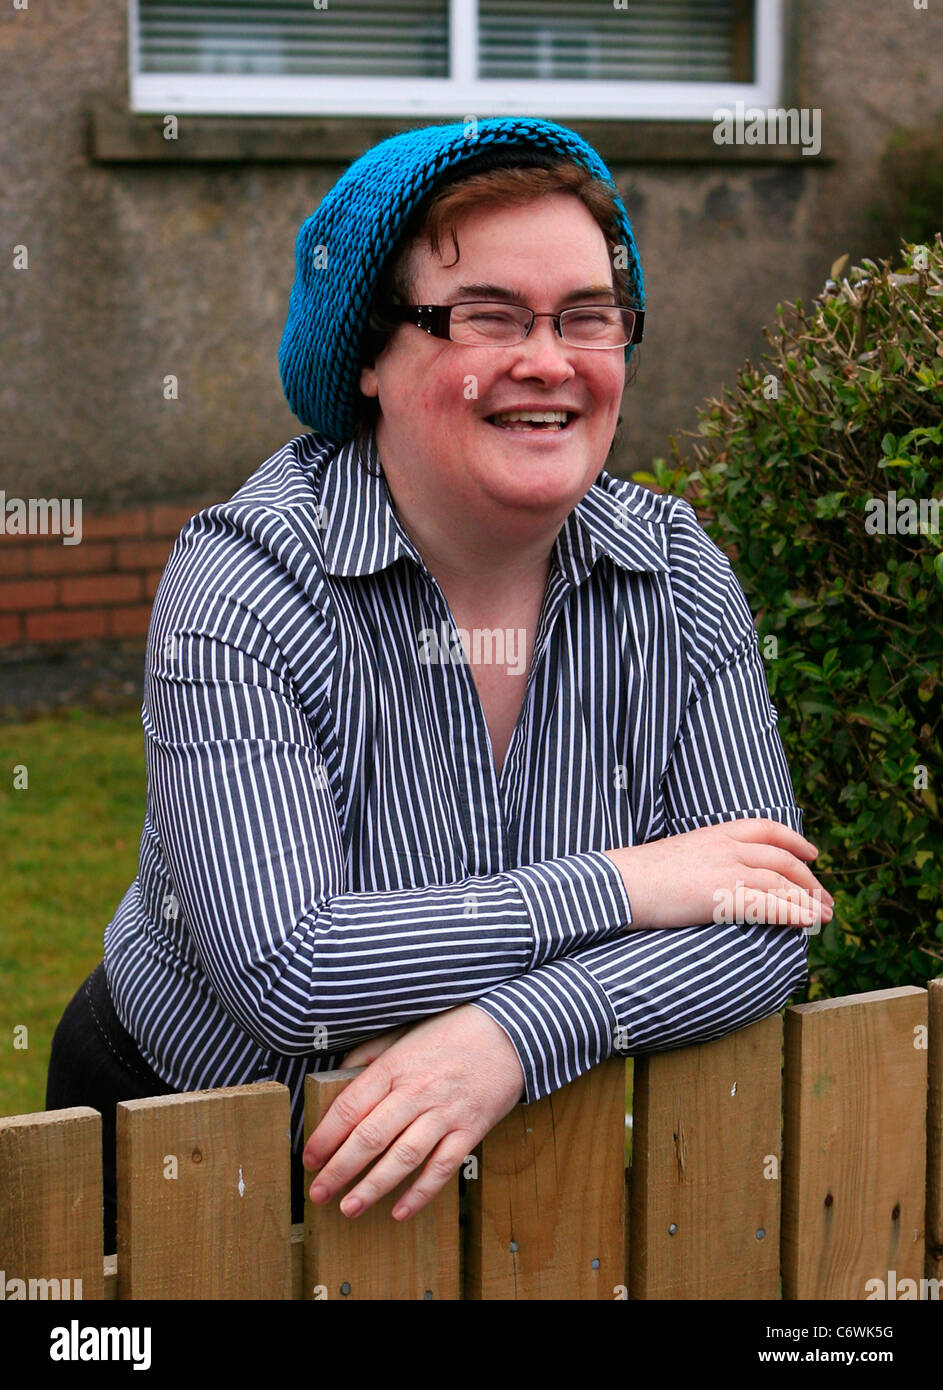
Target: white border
x,y
459,96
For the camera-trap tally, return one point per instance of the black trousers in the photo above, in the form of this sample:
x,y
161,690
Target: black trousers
x,y
95,1061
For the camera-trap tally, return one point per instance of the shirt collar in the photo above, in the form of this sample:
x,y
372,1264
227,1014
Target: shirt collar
x,y
609,521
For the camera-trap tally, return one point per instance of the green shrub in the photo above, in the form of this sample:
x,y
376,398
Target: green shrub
x,y
792,470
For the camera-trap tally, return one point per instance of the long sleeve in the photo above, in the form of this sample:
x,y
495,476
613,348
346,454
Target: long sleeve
x,y
653,990
328,849
239,796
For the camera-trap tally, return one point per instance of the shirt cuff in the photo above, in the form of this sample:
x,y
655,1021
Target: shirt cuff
x,y
559,1021
571,901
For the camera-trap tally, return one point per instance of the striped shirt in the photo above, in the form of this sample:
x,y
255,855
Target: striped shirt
x,y
328,851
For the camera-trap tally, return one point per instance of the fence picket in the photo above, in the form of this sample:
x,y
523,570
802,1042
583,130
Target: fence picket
x,y
371,1256
705,1189
855,1143
934,1255
204,1195
547,1209
51,1204
811,1144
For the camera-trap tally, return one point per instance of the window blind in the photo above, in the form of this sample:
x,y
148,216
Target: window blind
x,y
351,38
647,41
582,40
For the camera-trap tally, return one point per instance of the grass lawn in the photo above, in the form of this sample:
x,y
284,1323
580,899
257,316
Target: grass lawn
x,y
68,852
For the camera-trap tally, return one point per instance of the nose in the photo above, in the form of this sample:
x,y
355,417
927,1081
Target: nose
x,y
543,355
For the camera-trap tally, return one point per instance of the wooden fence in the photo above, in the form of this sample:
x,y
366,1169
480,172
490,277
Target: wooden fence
x,y
800,1158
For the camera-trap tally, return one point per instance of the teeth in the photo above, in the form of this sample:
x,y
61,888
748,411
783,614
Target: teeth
x,y
542,417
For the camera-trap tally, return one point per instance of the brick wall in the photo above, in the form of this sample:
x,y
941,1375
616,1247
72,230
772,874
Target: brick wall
x,y
100,588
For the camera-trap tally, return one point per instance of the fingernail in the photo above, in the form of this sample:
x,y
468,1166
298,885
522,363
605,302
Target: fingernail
x,y
400,1213
318,1192
827,913
351,1205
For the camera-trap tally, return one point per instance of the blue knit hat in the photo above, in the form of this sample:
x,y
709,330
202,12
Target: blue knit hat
x,y
343,246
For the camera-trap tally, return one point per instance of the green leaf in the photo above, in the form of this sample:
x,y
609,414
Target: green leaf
x,y
830,938
931,432
815,707
829,505
878,681
870,715
831,662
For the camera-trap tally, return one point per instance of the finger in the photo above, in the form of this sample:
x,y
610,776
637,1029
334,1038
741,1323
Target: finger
x,y
771,899
371,1137
444,1163
344,1114
784,904
404,1156
772,832
768,857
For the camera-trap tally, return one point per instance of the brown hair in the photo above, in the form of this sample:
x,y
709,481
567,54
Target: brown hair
x,y
435,219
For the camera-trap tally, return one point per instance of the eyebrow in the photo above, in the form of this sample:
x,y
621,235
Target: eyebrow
x,y
516,296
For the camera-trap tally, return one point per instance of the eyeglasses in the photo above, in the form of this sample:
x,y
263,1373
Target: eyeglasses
x,y
486,324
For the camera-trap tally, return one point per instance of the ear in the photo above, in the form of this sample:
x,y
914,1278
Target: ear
x,y
369,385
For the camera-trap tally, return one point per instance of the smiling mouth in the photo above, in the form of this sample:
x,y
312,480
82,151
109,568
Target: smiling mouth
x,y
545,421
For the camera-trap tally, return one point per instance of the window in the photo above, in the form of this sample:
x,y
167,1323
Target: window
x,y
621,59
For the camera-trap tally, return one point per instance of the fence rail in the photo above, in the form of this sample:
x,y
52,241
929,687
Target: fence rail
x,y
800,1158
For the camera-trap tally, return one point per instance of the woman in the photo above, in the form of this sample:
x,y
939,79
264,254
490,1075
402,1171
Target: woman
x,y
456,745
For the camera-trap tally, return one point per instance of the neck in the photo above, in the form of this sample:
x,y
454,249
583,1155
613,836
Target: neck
x,y
477,569
494,564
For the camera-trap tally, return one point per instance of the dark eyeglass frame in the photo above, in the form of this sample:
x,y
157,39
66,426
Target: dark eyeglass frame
x,y
436,318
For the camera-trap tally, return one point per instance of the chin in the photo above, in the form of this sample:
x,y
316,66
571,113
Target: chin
x,y
540,483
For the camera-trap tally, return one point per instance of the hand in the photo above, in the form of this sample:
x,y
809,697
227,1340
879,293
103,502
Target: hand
x,y
432,1094
693,878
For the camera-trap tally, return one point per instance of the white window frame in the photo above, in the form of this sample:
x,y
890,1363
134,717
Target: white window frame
x,y
460,95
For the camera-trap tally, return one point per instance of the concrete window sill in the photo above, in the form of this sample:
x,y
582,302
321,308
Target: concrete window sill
x,y
120,136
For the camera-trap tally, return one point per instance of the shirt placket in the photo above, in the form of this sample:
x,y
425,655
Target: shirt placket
x,y
465,737
526,742
487,804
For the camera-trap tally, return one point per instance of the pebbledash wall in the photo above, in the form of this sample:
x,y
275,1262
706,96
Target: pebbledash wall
x,y
151,258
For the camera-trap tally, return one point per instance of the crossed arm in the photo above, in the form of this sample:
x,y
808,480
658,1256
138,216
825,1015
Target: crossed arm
x,y
431,1093
550,972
